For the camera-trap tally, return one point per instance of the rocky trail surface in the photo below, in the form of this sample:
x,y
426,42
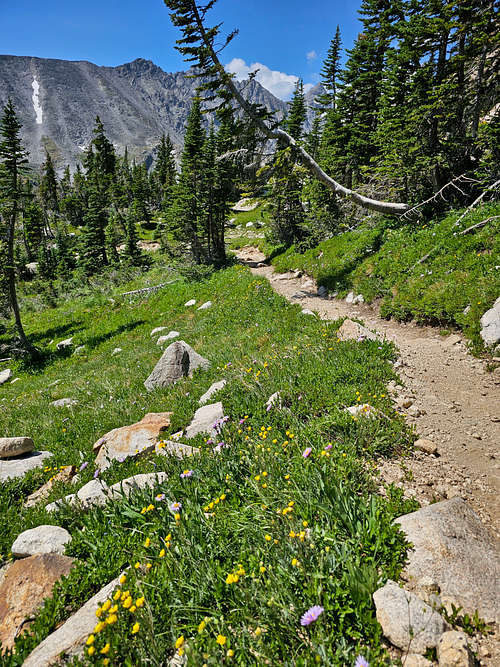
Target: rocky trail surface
x,y
448,396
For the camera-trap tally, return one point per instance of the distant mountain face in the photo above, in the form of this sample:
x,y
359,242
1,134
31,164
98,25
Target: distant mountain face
x,y
57,102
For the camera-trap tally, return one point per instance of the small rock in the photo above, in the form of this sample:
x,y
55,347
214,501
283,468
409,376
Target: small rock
x,y
116,351
490,324
204,419
10,447
14,380
62,344
359,299
404,403
306,311
406,620
18,467
179,360
426,446
354,331
67,474
41,540
5,376
217,386
163,339
364,410
415,660
205,305
350,298
466,310
191,302
413,411
322,292
26,584
249,224
308,285
157,331
274,399
453,339
95,492
453,650
79,350
64,403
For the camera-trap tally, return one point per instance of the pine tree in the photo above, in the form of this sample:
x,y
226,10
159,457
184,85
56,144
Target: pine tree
x,y
297,112
330,73
48,186
93,255
13,158
111,238
164,172
33,226
132,251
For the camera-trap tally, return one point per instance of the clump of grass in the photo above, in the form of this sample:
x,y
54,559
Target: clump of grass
x,y
281,517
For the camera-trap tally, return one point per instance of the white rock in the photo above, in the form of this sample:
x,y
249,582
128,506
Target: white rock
x,y
204,419
205,305
14,380
359,299
308,285
116,351
137,483
217,386
306,311
95,492
249,224
79,350
163,339
41,540
407,621
64,403
364,410
68,342
5,376
490,324
14,468
174,448
157,331
350,298
274,399
191,302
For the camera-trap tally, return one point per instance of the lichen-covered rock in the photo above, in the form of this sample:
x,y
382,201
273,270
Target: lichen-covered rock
x,y
10,447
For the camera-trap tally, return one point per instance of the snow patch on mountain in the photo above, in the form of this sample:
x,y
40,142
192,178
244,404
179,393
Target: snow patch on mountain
x,y
36,101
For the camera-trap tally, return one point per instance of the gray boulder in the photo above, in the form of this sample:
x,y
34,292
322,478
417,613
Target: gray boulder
x,y
137,483
407,621
179,360
490,324
41,540
454,549
204,419
15,447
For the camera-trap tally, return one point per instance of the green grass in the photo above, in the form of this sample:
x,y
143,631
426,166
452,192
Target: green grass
x,y
347,544
382,263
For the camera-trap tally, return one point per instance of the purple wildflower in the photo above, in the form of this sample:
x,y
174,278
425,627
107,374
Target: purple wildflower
x,y
186,474
175,507
268,407
84,465
242,421
160,496
361,662
328,447
307,452
96,474
311,615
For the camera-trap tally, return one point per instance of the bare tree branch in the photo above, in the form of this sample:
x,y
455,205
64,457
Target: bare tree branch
x,y
480,224
477,201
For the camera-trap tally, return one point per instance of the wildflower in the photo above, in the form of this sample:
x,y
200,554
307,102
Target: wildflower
x,y
258,632
105,649
160,496
232,578
84,465
96,474
106,605
311,615
105,662
186,474
221,640
179,642
262,569
90,640
295,562
127,603
328,447
135,628
123,579
112,619
268,538
307,452
147,542
100,626
361,662
230,653
117,595
91,650
177,517
162,553
137,565
175,507
140,602
202,625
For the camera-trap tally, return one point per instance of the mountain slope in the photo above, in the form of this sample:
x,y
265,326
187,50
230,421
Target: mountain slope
x,y
57,102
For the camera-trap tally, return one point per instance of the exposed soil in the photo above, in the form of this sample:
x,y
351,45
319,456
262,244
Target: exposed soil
x,y
455,401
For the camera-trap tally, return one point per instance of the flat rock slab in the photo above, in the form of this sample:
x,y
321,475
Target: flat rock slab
x,y
217,386
64,403
25,585
179,360
204,419
5,376
69,640
139,438
10,447
354,331
137,483
407,621
19,466
41,540
205,306
65,475
454,549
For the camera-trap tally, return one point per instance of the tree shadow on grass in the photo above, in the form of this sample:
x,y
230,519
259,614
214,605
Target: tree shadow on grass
x,y
46,357
63,331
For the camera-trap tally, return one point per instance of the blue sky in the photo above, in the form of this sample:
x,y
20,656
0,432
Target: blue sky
x,y
286,38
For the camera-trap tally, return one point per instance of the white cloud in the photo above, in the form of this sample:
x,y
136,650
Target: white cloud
x,y
278,83
312,55
308,86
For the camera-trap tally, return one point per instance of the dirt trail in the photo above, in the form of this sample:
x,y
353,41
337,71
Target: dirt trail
x,y
459,402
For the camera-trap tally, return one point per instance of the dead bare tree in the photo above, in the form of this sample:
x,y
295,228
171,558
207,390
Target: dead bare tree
x,y
198,46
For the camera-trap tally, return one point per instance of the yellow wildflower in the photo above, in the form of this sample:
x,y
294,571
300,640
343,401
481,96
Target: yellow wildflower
x,y
91,650
105,649
135,628
179,642
90,640
221,640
